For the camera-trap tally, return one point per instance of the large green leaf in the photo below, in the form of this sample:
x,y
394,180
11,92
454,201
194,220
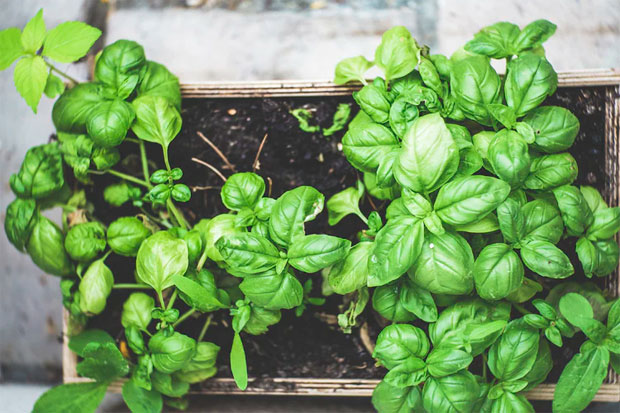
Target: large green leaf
x,y
312,253
273,291
157,120
514,354
30,77
71,398
529,80
161,257
70,41
291,211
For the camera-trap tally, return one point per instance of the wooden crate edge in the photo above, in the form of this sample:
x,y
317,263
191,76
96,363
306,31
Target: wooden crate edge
x,y
279,88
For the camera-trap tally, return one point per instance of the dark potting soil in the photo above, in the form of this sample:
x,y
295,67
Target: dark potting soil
x,y
311,345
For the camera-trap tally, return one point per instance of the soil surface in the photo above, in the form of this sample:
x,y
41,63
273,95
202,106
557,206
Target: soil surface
x,y
310,345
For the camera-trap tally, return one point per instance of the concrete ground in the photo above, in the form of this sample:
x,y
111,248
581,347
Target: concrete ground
x,y
239,40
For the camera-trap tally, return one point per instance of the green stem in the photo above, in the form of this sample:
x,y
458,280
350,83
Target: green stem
x,y
484,366
187,314
202,260
160,297
362,217
106,255
177,214
121,175
205,327
173,298
145,164
61,73
521,309
131,286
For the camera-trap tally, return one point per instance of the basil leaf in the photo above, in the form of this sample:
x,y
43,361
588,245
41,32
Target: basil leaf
x,y
391,399
542,366
108,122
273,291
102,362
171,353
397,343
542,222
555,128
126,234
511,220
160,257
19,221
605,225
95,287
46,248
344,203
580,380
260,319
34,33
85,241
158,81
529,80
455,323
464,200
402,114
444,362
551,171
444,265
496,41
575,211
418,301
78,343
157,120
137,311
350,69
598,257
365,147
40,174
312,253
248,252
514,354
534,34
396,248
509,157
498,271
140,400
169,385
429,155
71,398
407,374
119,67
455,393
386,302
593,198
510,402
397,55
291,211
374,100
72,108
351,273
546,259
474,84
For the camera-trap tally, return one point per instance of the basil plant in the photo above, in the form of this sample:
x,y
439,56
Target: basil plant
x,y
482,219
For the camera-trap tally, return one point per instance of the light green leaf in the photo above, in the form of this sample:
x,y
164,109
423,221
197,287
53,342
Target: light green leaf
x,y
10,46
70,41
157,120
312,253
140,400
54,86
34,33
102,362
238,364
352,68
160,257
397,55
291,211
30,77
71,398
344,203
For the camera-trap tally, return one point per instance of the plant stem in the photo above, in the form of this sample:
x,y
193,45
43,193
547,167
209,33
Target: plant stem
x,y
61,73
145,164
173,298
205,327
362,217
160,297
184,316
202,260
177,214
122,176
484,366
131,286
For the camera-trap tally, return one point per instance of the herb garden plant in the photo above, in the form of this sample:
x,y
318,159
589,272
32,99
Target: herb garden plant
x,y
466,270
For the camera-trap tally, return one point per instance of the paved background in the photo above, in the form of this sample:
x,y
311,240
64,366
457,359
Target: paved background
x,y
240,40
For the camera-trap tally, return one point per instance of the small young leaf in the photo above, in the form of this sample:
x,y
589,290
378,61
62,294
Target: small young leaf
x,y
54,86
34,33
350,69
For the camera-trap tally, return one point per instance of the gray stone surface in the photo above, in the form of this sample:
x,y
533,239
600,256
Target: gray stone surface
x,y
30,301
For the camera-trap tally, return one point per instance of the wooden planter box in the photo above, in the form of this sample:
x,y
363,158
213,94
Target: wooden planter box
x,y
607,79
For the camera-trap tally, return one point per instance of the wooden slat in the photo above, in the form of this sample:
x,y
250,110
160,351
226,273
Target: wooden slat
x,y
270,88
609,392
